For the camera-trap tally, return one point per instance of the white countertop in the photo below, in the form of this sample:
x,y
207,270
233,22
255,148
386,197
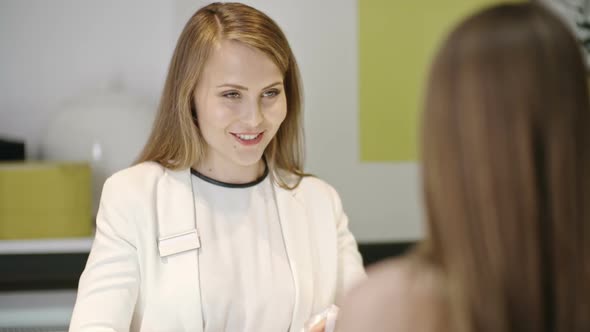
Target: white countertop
x,y
46,246
36,308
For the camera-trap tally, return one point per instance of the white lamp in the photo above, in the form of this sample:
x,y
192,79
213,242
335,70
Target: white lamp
x,y
108,130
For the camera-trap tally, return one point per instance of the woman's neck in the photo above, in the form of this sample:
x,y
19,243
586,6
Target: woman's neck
x,y
229,172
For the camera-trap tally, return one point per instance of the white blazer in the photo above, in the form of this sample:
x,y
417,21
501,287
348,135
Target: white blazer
x,y
143,273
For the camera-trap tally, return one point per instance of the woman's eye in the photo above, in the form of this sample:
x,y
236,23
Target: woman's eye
x,y
271,93
231,94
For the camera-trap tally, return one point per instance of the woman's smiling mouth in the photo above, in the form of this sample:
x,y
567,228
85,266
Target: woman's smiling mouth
x,y
248,138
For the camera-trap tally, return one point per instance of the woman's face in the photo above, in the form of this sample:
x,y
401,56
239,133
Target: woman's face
x,y
240,104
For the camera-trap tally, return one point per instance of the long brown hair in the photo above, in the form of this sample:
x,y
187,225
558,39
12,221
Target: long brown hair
x,y
175,141
506,173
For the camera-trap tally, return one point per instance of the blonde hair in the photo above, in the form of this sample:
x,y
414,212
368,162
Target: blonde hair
x,y
176,142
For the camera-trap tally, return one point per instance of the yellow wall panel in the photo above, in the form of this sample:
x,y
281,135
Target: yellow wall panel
x,y
397,40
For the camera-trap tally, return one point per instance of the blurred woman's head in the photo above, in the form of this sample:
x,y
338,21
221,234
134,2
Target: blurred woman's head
x,y
506,171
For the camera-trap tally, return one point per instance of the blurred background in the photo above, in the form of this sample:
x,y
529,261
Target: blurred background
x,y
80,83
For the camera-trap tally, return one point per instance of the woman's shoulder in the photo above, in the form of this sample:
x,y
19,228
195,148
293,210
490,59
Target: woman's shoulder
x,y
135,179
304,184
138,172
398,295
312,182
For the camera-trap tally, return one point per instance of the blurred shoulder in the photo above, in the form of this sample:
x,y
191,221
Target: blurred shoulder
x,y
386,283
398,295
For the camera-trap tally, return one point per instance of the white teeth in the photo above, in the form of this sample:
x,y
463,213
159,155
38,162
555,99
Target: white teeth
x,y
247,137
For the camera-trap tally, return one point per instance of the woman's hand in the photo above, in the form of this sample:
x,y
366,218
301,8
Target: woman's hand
x,y
319,327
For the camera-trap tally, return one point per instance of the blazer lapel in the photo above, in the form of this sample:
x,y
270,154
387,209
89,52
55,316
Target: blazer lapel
x,y
177,233
175,203
294,221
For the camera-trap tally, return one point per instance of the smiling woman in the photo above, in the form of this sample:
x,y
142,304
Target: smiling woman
x,y
229,52
239,108
217,227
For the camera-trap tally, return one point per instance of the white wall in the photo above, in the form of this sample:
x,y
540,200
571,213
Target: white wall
x,y
53,50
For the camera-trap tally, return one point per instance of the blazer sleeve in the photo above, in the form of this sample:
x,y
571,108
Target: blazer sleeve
x,y
350,262
108,287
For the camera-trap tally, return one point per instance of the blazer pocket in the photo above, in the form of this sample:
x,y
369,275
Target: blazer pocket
x,y
177,243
